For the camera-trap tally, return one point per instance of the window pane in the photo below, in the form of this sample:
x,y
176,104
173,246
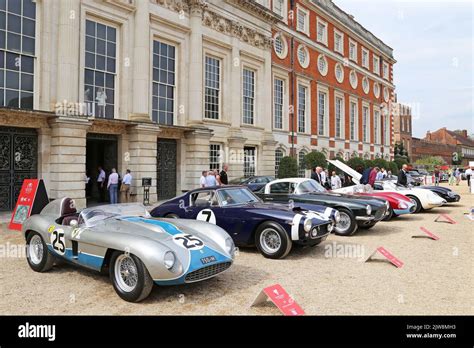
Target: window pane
x,y
27,64
14,6
90,60
2,39
26,100
12,61
100,47
90,44
99,79
12,80
28,45
3,4
111,65
11,98
109,81
101,31
14,23
2,20
111,49
27,82
13,42
90,28
2,79
29,9
2,99
100,62
28,27
111,34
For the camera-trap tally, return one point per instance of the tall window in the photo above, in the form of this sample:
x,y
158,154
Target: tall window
x,y
248,96
278,103
353,51
321,112
250,161
301,164
164,82
385,70
279,7
365,58
212,87
338,42
339,116
376,126
215,156
365,124
387,130
100,68
377,65
17,53
353,119
301,109
302,20
278,157
322,31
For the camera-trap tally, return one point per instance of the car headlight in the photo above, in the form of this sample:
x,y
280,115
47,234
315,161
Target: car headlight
x,y
337,217
368,210
451,194
307,225
402,205
330,227
169,259
314,232
229,246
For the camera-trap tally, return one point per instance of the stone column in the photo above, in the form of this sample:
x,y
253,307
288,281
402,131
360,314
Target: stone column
x,y
142,146
141,62
266,163
68,159
235,153
68,54
235,103
44,155
195,83
197,156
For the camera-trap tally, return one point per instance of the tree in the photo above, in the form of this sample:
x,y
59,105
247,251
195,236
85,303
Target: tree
x,y
315,159
429,162
332,168
381,163
368,163
393,167
356,163
288,168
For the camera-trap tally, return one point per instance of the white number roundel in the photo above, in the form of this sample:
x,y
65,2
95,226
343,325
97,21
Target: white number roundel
x,y
57,241
207,215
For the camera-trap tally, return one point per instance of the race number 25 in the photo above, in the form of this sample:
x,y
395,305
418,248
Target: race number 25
x,y
189,241
57,241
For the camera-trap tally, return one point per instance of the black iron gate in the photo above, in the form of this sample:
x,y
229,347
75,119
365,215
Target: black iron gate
x,y
18,161
166,168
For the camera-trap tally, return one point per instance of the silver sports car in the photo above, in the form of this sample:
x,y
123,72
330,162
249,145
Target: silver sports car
x,y
137,250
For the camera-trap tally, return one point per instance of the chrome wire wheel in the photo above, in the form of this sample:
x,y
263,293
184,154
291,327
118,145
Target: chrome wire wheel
x,y
344,222
126,273
35,250
270,241
414,202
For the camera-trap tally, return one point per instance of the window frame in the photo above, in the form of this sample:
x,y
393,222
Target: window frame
x,y
376,67
341,34
325,117
324,40
355,131
365,63
300,9
365,123
354,43
220,79
253,98
281,105
339,96
306,107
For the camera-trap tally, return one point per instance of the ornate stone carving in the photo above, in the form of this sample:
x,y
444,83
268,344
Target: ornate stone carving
x,y
174,5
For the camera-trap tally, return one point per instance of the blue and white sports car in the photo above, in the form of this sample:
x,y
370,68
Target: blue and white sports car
x,y
138,251
273,228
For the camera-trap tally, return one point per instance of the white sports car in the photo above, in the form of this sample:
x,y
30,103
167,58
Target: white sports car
x,y
422,198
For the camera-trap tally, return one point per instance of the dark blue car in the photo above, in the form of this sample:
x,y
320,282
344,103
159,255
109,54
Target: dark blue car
x,y
272,227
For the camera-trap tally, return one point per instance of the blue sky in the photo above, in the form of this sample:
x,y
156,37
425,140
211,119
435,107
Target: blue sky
x,y
433,46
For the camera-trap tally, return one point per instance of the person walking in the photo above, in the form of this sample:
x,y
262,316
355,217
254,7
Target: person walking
x,y
335,181
223,179
125,187
211,179
437,175
468,176
101,184
402,176
202,180
112,186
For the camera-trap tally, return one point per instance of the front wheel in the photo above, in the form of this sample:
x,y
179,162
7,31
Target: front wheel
x,y
38,256
389,215
130,278
417,204
272,240
347,224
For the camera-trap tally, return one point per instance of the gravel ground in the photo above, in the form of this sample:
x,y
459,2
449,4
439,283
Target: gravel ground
x,y
437,278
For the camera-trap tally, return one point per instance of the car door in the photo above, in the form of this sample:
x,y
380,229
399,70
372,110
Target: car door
x,y
279,192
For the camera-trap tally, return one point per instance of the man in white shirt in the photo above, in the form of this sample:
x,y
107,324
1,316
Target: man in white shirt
x,y
125,188
112,186
101,184
202,181
335,181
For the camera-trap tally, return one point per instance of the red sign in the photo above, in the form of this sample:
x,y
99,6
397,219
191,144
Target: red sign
x,y
31,200
430,235
388,255
446,217
281,299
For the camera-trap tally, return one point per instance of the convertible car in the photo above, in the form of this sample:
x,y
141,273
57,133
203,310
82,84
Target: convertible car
x,y
399,204
273,228
354,211
137,250
421,198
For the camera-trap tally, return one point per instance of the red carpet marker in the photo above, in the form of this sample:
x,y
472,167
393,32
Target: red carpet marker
x,y
388,255
446,217
428,234
280,298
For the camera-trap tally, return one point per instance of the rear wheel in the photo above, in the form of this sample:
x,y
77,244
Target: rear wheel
x,y
272,240
38,256
347,224
130,278
416,202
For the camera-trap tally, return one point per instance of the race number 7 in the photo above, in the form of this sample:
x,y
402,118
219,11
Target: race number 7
x,y
207,214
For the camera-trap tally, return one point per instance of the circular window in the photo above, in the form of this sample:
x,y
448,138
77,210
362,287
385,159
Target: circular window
x,y
376,90
365,85
303,56
339,72
353,79
322,65
386,94
280,46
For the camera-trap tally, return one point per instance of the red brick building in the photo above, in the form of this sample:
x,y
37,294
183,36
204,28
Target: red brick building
x,y
458,139
424,148
332,83
402,127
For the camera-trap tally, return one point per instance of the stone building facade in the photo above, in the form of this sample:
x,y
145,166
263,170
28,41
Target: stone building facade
x,y
336,79
166,88
402,127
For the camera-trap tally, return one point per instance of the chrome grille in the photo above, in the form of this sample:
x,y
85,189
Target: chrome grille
x,y
207,272
380,213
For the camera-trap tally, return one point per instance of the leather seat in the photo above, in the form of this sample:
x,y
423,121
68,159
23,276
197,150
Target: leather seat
x,y
68,211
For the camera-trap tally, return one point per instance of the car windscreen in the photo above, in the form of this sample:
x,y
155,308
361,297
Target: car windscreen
x,y
234,196
309,186
94,215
